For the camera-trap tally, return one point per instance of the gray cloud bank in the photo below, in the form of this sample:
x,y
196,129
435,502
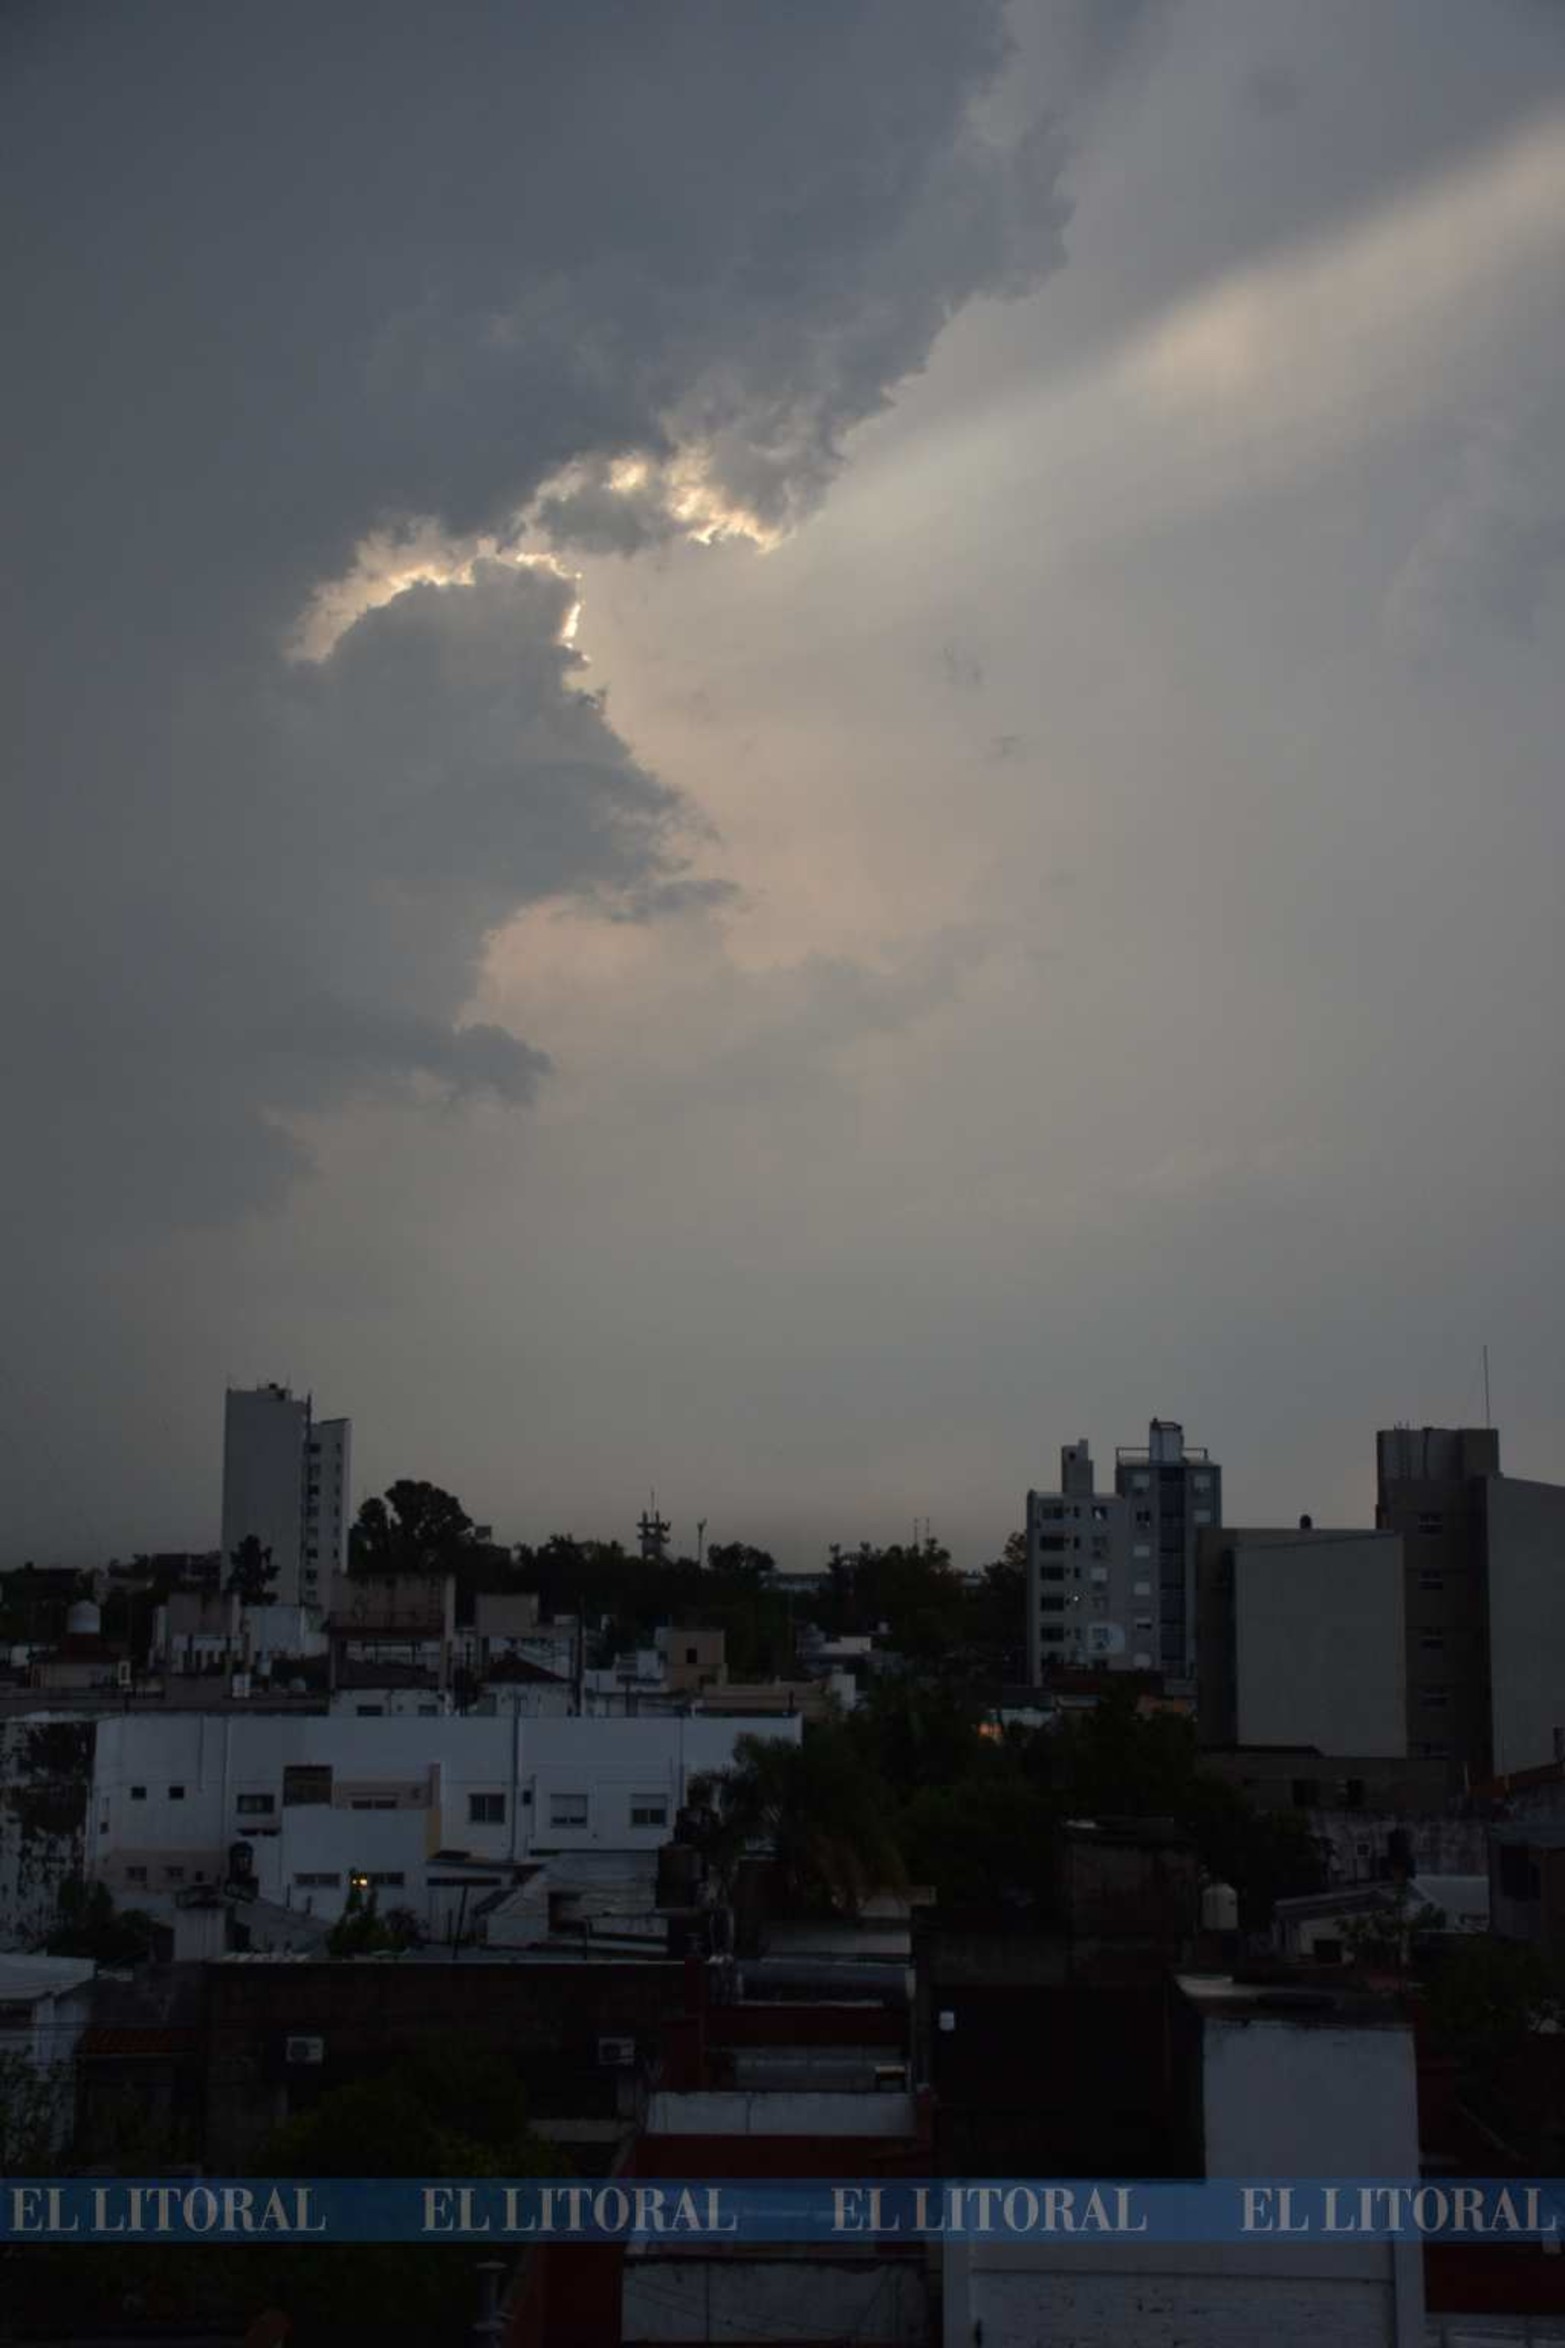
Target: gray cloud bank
x,y
291,277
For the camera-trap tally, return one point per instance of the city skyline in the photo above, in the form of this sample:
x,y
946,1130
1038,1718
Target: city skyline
x,y
781,753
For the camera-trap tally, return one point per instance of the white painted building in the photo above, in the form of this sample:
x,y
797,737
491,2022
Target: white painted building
x,y
287,1481
320,1799
1088,1603
1285,2086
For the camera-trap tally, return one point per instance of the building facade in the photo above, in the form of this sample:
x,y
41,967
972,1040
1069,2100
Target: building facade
x,y
1175,1492
303,1807
1085,1605
1484,1600
1302,1641
287,1481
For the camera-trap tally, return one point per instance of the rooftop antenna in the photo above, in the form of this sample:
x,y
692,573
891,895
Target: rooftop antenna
x,y
1488,1419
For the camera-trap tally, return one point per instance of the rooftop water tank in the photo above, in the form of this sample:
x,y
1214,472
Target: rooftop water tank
x,y
84,1620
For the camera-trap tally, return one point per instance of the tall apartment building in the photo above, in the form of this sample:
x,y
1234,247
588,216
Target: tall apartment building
x,y
1083,1606
287,1480
1111,1577
1175,1492
1485,1600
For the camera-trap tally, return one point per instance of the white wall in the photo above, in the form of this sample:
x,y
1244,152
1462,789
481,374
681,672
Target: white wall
x,y
756,2298
1283,2100
194,1770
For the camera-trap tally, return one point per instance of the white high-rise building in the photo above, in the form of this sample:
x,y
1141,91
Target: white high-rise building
x,y
286,1479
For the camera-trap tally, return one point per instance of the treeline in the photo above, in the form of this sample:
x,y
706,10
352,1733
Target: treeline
x,y
909,1598
916,1787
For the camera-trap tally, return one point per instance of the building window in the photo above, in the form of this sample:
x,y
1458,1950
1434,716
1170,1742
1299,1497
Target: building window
x,y
1053,1541
370,1712
1431,1578
138,1793
327,1882
1141,1589
176,1793
1431,1521
691,1655
1432,1642
173,1874
1203,1516
390,1879
256,1805
567,1809
135,1875
650,1810
486,1809
1051,1573
1143,1622
1433,1699
1050,1605
1306,1793
373,1802
1142,1549
305,1782
1052,1634
1438,1750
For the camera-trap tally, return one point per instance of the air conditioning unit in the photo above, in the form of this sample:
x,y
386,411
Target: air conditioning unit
x,y
616,2054
304,2050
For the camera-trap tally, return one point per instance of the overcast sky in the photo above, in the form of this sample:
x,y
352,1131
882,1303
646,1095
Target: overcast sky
x,y
780,750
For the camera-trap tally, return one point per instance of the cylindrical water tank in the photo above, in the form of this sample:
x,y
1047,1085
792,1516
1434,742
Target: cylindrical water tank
x,y
84,1620
1219,1908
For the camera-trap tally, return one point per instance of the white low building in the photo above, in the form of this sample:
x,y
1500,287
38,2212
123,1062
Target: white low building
x,y
299,1806
1282,2084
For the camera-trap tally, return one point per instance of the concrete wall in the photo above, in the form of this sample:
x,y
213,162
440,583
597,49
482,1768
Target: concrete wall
x,y
263,1479
773,2298
1319,1646
1280,2099
1234,2296
1525,1539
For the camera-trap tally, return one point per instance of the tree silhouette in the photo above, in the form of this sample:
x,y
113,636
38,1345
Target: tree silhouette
x,y
252,1576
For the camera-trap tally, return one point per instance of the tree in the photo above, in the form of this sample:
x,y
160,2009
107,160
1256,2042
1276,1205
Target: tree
x,y
252,1577
87,1924
362,1931
822,1815
34,2110
416,1529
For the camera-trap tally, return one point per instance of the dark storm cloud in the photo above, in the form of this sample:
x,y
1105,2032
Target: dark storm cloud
x,y
290,277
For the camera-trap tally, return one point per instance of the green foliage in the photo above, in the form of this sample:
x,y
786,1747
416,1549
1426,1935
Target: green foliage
x,y
252,1575
823,1816
88,1924
35,2110
416,1529
362,1931
1489,1997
